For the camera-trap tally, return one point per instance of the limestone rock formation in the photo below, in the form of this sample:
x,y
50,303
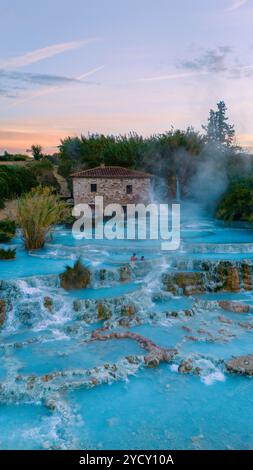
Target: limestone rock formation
x,y
210,276
128,310
185,367
2,312
155,355
104,313
125,273
188,282
241,365
235,307
247,277
48,303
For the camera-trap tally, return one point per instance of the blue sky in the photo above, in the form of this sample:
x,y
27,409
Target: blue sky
x,y
119,66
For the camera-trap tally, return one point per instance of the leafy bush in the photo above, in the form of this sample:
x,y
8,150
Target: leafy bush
x,y
4,238
38,212
43,171
77,277
130,150
237,203
65,168
2,205
41,165
15,181
7,230
8,157
8,226
53,158
7,254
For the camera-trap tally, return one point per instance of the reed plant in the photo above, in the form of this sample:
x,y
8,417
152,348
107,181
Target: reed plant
x,y
38,212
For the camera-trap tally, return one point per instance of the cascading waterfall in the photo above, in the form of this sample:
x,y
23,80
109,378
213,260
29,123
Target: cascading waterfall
x,y
56,367
178,190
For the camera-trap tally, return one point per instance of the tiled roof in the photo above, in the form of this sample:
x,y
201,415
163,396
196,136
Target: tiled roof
x,y
110,172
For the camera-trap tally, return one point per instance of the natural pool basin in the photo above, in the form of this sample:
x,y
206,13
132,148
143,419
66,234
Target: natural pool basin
x,y
131,406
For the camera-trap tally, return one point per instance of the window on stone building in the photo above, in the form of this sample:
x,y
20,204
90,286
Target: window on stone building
x,y
93,188
129,189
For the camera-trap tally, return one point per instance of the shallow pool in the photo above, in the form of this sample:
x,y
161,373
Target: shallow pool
x,y
63,389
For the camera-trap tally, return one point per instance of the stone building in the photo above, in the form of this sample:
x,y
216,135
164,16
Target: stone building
x,y
116,184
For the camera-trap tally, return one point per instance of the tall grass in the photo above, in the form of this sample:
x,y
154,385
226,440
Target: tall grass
x,y
38,212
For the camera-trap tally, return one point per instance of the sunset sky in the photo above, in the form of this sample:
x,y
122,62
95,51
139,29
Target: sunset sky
x,y
114,66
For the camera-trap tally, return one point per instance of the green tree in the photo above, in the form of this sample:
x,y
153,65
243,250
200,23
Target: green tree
x,y
36,151
237,203
218,130
171,156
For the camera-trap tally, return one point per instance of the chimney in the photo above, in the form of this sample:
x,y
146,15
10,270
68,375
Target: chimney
x,y
102,165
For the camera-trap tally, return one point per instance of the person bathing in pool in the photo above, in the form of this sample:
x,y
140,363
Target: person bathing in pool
x,y
134,258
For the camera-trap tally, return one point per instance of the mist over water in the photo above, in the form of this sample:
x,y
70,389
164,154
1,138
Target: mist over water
x,y
211,179
201,179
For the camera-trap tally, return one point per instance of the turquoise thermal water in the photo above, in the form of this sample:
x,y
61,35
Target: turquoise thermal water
x,y
136,407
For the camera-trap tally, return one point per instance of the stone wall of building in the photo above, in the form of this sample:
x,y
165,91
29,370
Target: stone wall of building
x,y
114,190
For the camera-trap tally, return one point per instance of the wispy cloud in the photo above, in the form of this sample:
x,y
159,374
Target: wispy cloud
x,y
62,84
212,60
91,72
4,92
221,61
18,84
44,53
35,78
172,76
236,4
15,83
